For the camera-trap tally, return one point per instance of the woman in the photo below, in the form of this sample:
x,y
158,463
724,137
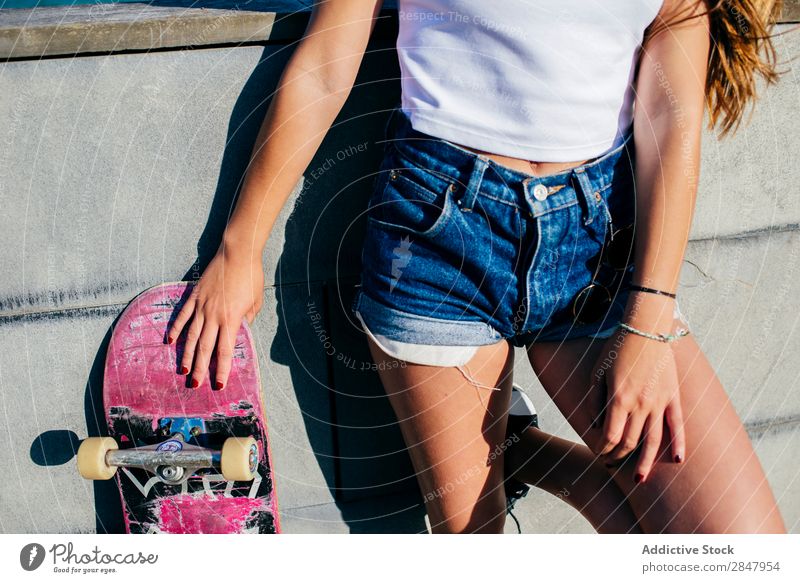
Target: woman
x,y
533,140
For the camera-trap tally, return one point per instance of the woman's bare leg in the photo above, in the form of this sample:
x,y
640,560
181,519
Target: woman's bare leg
x,y
572,472
719,488
451,427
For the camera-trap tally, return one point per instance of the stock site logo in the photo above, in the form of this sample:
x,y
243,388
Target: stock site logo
x,y
31,556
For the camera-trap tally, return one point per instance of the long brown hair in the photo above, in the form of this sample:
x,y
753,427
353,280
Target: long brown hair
x,y
741,49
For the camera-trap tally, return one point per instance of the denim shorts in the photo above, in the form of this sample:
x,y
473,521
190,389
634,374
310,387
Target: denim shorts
x,y
461,251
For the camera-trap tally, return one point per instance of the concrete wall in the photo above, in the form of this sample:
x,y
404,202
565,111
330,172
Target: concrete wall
x,y
117,173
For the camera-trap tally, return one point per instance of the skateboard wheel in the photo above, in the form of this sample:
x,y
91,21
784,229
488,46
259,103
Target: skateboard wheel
x,y
92,458
239,459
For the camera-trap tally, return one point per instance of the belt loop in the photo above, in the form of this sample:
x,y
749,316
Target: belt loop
x,y
474,183
585,188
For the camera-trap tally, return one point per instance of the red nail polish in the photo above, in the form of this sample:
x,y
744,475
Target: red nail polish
x,y
220,385
195,383
678,458
170,340
638,478
184,370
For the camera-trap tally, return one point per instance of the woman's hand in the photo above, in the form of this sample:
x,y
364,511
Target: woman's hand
x,y
231,288
642,391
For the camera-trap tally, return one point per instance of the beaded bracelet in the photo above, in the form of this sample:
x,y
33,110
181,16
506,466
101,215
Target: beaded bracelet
x,y
660,337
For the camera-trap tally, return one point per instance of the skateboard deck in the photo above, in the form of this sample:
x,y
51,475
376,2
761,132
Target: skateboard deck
x,y
152,411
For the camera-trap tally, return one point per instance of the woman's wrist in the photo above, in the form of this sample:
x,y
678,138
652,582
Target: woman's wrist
x,y
650,312
237,247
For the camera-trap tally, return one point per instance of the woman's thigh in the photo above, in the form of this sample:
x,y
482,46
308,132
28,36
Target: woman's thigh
x,y
719,488
454,428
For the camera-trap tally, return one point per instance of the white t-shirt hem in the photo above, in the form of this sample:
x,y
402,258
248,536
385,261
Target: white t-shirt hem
x,y
434,126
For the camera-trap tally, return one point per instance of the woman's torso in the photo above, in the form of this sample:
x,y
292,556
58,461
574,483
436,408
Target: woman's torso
x,y
548,81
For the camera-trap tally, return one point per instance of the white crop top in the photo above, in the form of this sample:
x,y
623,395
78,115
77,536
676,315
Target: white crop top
x,y
543,80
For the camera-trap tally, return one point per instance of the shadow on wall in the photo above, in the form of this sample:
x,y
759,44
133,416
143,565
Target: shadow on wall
x,y
315,280
58,447
350,425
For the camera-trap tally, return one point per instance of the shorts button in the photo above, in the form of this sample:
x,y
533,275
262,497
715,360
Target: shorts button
x,y
597,196
540,192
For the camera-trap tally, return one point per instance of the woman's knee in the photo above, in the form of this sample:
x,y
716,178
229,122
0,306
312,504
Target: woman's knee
x,y
487,515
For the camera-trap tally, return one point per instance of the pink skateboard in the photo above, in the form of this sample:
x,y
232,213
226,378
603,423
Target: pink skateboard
x,y
185,460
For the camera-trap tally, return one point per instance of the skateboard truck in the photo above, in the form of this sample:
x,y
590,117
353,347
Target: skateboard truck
x,y
173,460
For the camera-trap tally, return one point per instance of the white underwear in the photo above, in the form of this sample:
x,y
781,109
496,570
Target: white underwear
x,y
429,354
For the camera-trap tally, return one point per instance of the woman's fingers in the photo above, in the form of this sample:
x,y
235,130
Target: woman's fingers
x,y
674,418
183,316
630,437
615,419
652,440
225,344
205,339
192,336
599,387
205,349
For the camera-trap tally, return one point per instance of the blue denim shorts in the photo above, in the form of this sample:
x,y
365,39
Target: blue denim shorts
x,y
463,251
